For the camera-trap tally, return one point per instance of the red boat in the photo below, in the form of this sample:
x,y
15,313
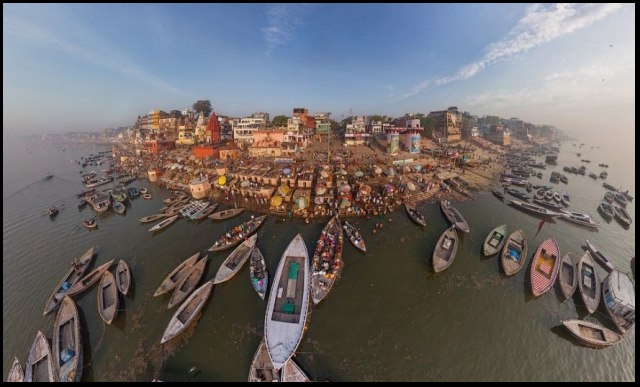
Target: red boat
x,y
545,267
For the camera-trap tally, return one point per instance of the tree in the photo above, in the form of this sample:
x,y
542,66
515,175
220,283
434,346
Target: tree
x,y
429,124
378,118
279,121
204,106
346,121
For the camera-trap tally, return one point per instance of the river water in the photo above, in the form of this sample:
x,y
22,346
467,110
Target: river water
x,y
389,318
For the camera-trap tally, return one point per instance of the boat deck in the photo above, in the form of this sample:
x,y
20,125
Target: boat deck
x,y
288,304
67,338
108,293
240,257
41,370
591,333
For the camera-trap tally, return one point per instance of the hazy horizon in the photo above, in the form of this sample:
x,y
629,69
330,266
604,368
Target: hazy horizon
x,y
87,67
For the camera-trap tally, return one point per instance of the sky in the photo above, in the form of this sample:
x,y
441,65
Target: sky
x,y
70,67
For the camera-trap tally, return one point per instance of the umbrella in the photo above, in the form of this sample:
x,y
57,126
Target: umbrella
x,y
286,171
389,188
365,190
276,200
324,174
284,190
345,188
222,180
319,200
341,172
359,174
321,190
301,202
245,183
377,170
411,186
344,203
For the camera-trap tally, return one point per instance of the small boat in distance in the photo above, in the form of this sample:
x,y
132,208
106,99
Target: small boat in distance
x,y
176,275
592,334
151,218
123,277
545,267
588,282
238,234
188,312
16,373
90,223
568,276
514,253
416,216
445,250
164,224
51,211
354,236
78,267
566,199
494,241
226,214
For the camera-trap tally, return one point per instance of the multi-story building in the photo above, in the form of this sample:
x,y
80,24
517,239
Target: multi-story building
x,y
244,128
499,134
355,132
448,125
263,115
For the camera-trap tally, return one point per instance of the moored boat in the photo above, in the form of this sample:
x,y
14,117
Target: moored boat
x,y
108,300
495,240
445,250
151,218
147,196
327,261
514,253
238,234
588,282
171,280
354,236
261,369
622,215
291,372
288,303
51,211
620,198
606,210
497,193
188,312
16,373
579,218
123,277
534,208
608,196
78,267
85,282
67,343
592,334
415,215
89,223
236,260
566,199
258,273
39,367
619,297
454,216
568,276
226,214
545,267
119,208
188,282
204,212
598,256
164,224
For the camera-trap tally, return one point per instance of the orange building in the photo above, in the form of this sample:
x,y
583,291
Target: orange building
x,y
203,151
156,146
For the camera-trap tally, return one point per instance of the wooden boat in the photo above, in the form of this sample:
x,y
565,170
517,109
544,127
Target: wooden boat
x,y
622,215
67,342
534,208
81,203
498,194
619,298
16,373
176,275
288,303
90,223
592,334
514,253
566,199
291,372
89,279
589,282
123,277
188,282
164,224
518,194
454,216
354,236
261,369
606,209
206,212
187,312
545,267
548,204
108,297
495,240
226,214
445,251
608,196
540,193
327,260
415,215
237,234
568,276
151,218
51,211
620,198
236,260
39,367
78,268
119,208
579,218
598,256
258,273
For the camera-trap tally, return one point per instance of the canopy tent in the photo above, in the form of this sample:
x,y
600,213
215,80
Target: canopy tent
x,y
222,180
319,199
324,174
321,190
377,170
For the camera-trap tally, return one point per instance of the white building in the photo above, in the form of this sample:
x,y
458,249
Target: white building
x,y
244,128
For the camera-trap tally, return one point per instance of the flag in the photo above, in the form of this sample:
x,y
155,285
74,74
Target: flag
x,y
539,228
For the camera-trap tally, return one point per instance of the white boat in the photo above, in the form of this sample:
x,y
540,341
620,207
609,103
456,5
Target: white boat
x,y
188,283
291,372
205,212
598,256
39,366
177,274
261,369
164,224
534,208
579,218
187,313
236,260
16,373
619,298
592,334
288,303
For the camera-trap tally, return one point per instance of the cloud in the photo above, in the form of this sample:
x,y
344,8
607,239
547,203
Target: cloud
x,y
540,24
81,44
283,22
